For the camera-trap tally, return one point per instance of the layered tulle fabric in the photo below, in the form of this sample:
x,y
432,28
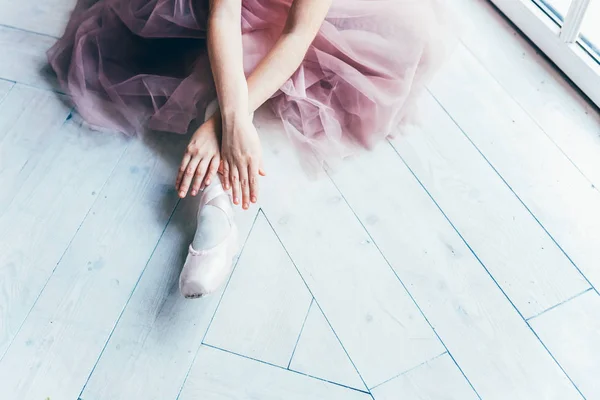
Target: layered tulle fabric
x,y
132,64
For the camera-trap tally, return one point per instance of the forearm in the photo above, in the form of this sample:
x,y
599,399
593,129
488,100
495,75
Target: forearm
x,y
275,69
226,56
304,21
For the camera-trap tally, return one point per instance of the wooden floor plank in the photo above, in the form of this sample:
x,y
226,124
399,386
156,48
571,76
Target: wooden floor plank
x,y
438,379
153,346
533,82
559,196
572,333
47,17
320,354
519,254
5,87
88,222
24,58
48,205
29,121
376,321
265,305
487,337
59,342
220,375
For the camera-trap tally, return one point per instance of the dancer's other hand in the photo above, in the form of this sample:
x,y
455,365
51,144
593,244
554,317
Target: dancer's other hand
x,y
200,161
241,155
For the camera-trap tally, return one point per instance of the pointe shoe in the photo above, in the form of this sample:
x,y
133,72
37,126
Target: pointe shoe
x,y
205,271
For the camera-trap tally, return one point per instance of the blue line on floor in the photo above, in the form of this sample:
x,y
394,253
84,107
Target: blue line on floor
x,y
284,369
301,330
475,254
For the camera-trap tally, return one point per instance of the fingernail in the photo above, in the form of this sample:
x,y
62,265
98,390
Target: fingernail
x,y
207,182
181,194
253,199
194,192
235,200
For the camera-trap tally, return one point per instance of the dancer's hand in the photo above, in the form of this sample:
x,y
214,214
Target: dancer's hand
x,y
241,155
200,161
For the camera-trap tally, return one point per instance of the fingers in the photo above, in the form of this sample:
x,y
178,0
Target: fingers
x,y
253,178
212,170
244,186
188,175
226,175
241,178
184,163
234,183
261,168
199,176
221,179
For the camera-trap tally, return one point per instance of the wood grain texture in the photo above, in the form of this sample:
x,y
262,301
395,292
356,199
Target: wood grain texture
x,y
24,57
571,332
534,273
89,222
5,87
320,354
59,342
50,197
219,375
539,88
438,379
489,340
45,17
155,341
29,122
265,305
375,319
560,197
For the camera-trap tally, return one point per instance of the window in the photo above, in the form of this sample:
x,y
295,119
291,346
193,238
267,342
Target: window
x,y
567,31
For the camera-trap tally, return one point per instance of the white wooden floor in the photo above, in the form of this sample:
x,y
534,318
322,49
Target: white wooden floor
x,y
460,261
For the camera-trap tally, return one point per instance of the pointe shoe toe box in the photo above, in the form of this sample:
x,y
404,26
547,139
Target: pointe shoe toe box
x,y
204,272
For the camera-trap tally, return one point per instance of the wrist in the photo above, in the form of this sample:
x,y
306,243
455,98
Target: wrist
x,y
214,122
232,119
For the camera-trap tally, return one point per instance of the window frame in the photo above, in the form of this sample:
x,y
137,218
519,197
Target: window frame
x,y
562,45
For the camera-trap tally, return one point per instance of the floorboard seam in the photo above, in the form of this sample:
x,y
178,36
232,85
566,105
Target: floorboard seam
x,y
409,370
301,330
283,368
514,193
130,296
489,274
560,304
217,307
403,285
67,247
28,31
9,90
316,302
510,95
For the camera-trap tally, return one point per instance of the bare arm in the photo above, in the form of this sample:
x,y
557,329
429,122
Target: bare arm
x,y
225,49
303,23
203,154
226,57
238,97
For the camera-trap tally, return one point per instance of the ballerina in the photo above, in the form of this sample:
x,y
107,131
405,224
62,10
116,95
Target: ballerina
x,y
340,74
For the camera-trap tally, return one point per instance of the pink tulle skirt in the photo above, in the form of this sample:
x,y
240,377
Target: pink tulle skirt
x,y
132,64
